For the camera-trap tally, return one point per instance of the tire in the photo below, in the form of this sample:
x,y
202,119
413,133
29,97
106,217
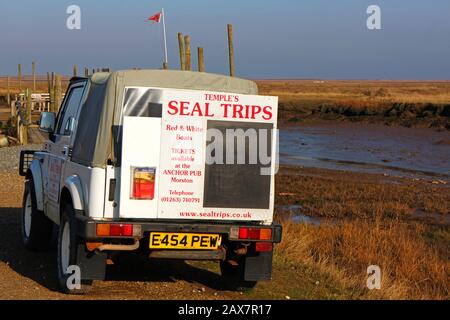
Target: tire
x,y
234,276
67,250
36,228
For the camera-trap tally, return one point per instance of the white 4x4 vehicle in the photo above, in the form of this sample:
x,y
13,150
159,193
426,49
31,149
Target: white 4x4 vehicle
x,y
170,164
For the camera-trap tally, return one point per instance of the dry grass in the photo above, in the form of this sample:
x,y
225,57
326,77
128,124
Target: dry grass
x,y
41,84
411,268
407,103
358,92
310,92
340,194
372,225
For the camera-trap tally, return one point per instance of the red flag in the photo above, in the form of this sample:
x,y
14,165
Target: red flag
x,y
156,18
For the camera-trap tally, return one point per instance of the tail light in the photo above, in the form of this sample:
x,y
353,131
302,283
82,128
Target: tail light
x,y
245,233
118,230
143,183
265,234
264,246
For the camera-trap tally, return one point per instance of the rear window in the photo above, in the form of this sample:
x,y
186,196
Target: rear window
x,y
238,185
142,102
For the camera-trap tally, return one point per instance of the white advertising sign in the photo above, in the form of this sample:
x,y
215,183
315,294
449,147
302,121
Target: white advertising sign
x,y
181,172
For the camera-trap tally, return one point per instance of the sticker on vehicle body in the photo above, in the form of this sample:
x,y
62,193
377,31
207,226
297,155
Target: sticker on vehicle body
x,y
54,178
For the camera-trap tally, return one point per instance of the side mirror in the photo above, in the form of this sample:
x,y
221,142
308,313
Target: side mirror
x,y
47,122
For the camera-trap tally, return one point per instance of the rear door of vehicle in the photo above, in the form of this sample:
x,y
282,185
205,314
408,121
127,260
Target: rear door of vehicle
x,y
164,156
218,154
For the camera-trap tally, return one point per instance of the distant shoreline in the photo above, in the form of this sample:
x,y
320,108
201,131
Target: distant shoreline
x,y
352,80
401,102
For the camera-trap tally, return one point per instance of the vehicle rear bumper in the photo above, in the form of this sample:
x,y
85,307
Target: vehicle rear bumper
x,y
86,227
258,265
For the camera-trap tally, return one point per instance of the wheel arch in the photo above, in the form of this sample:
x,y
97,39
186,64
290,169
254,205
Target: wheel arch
x,y
73,192
34,173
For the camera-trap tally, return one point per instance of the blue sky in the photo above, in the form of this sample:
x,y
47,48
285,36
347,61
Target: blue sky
x,y
273,39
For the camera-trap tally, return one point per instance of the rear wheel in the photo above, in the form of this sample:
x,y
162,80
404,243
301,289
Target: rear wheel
x,y
67,254
36,228
233,275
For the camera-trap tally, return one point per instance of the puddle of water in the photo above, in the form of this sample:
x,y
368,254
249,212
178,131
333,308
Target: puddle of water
x,y
410,152
296,216
434,217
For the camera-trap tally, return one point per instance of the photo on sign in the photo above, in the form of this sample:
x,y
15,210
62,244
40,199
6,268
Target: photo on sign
x,y
143,183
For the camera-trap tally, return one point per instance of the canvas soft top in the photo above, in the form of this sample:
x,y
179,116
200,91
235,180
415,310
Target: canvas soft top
x,y
100,111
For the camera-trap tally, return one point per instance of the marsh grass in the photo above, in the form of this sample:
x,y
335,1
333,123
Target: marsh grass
x,y
360,92
411,268
372,225
407,103
338,194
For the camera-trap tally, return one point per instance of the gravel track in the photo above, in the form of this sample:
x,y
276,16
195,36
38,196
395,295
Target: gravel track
x,y
9,156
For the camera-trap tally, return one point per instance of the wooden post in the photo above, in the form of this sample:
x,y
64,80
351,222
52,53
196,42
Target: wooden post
x,y
231,50
8,91
58,92
29,108
201,60
26,116
13,107
51,91
33,71
19,76
181,49
187,45
16,98
19,130
48,82
49,106
74,70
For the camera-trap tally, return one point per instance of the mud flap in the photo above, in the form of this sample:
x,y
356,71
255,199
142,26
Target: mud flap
x,y
258,267
92,265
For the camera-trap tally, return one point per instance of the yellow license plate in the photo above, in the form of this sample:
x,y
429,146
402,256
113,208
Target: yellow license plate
x,y
165,240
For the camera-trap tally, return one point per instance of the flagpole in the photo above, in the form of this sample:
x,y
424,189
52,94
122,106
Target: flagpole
x,y
164,33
